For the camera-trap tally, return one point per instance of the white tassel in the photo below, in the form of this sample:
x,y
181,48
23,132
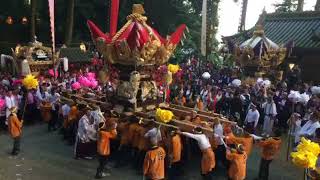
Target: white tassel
x,y
65,64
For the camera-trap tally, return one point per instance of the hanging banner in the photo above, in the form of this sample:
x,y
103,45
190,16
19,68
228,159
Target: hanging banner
x,y
51,14
204,28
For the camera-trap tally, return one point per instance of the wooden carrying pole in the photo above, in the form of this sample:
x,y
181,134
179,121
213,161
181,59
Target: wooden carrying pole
x,y
204,116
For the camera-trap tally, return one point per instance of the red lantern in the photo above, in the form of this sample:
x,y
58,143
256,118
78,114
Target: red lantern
x,y
9,20
24,20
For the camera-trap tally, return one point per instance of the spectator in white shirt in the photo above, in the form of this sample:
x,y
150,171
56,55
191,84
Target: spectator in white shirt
x,y
252,119
309,128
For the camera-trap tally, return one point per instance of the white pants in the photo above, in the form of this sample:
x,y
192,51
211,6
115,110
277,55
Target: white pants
x,y
268,125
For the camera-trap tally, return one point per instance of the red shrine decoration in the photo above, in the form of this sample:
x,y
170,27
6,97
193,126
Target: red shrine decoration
x,y
136,43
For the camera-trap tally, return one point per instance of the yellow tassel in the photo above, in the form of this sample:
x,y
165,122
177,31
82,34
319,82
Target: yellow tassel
x,y
164,116
30,82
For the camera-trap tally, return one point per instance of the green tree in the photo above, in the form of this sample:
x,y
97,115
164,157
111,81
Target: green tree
x,y
286,6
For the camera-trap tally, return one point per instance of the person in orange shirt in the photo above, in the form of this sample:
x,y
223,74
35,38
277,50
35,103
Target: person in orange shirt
x,y
246,141
70,124
175,150
208,161
103,146
15,130
124,148
238,163
183,101
153,165
199,104
270,147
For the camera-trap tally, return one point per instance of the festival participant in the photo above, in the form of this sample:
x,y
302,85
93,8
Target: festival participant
x,y
133,139
30,108
270,112
142,143
124,148
246,100
236,107
72,124
199,104
238,163
54,99
195,118
15,129
246,141
270,147
103,147
294,123
174,153
11,102
188,93
208,159
308,129
82,149
252,119
154,134
154,165
65,110
220,151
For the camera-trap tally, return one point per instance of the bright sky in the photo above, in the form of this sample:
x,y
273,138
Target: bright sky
x,y
230,13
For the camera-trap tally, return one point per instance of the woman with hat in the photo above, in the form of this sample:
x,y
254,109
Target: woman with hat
x,y
15,129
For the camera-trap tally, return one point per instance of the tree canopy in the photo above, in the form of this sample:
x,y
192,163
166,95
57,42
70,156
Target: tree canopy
x,y
163,15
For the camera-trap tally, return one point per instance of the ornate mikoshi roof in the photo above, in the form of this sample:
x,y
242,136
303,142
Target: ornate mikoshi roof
x,y
258,38
300,28
136,43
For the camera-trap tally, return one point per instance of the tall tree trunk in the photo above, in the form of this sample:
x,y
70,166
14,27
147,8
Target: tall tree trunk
x,y
317,7
33,19
300,5
69,25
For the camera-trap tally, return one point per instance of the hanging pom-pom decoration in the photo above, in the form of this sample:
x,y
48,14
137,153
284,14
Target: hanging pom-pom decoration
x,y
30,82
163,115
173,68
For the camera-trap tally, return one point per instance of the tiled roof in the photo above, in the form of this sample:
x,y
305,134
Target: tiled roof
x,y
303,28
75,55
